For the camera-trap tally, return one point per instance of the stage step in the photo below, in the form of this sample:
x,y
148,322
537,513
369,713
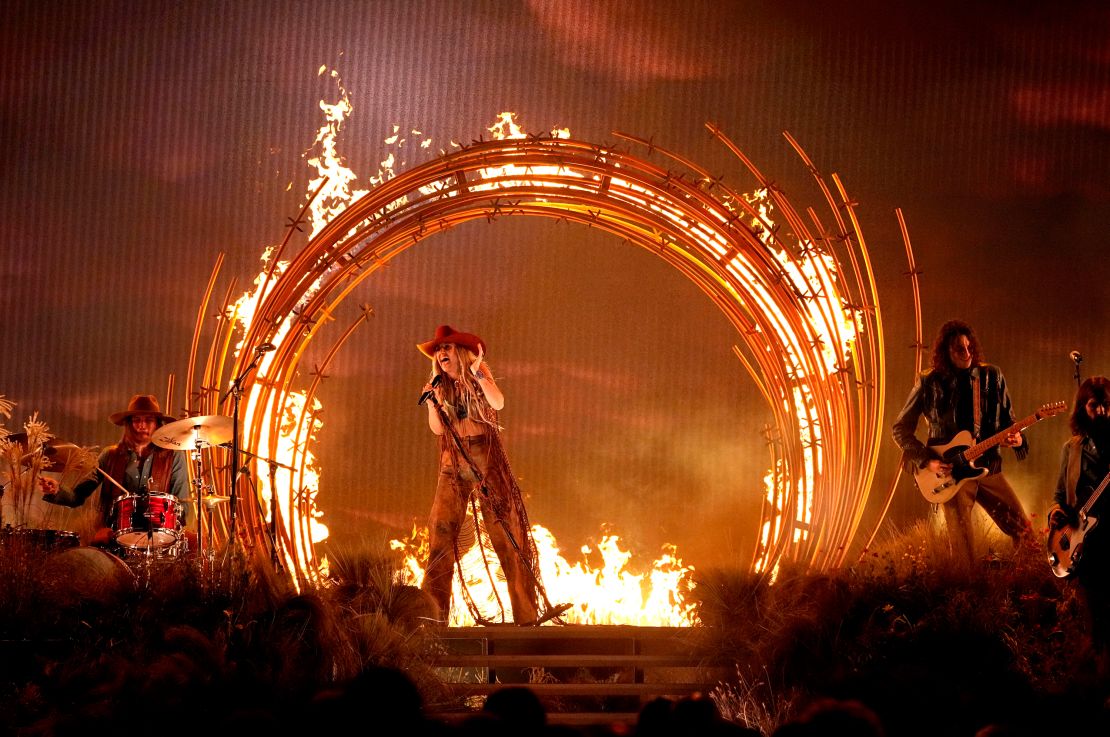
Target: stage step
x,y
584,674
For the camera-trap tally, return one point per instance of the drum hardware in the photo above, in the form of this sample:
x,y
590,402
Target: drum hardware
x,y
194,434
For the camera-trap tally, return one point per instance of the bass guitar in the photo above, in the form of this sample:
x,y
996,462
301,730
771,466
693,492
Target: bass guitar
x,y
961,453
1065,545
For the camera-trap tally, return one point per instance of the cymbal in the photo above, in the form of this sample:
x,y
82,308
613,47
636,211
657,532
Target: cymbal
x,y
193,432
17,437
59,452
211,500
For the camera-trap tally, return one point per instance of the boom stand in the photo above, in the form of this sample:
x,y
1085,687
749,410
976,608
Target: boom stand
x,y
274,466
236,392
550,612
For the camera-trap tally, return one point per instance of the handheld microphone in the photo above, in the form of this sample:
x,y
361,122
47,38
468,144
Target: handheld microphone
x,y
1076,356
265,348
435,382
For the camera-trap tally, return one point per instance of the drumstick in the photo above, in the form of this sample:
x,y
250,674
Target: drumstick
x,y
109,478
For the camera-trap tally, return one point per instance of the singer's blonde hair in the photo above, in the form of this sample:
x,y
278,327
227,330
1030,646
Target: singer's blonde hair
x,y
464,391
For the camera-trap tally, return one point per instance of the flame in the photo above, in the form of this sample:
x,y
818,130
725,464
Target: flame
x,y
605,592
801,303
332,172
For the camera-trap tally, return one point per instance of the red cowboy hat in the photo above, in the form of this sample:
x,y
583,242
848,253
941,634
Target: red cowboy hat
x,y
140,404
447,334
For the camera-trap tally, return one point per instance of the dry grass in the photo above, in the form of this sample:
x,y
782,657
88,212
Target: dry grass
x,y
82,641
931,645
935,646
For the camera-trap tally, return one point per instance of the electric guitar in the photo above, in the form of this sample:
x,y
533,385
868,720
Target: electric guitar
x,y
1065,545
962,451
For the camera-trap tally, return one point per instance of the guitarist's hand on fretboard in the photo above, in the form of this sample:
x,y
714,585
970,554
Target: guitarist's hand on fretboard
x,y
1013,440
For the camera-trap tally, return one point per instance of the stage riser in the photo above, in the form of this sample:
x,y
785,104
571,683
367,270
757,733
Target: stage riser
x,y
584,674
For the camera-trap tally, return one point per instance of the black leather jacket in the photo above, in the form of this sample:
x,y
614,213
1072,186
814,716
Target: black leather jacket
x,y
935,396
1093,466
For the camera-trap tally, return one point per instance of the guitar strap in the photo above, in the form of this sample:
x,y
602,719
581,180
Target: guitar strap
x,y
1075,462
976,410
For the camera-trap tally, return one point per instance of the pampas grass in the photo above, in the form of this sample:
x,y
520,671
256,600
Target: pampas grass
x,y
935,646
195,643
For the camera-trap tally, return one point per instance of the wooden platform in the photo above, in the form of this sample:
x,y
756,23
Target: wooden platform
x,y
584,674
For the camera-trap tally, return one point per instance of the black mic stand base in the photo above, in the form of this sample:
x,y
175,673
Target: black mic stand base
x,y
553,613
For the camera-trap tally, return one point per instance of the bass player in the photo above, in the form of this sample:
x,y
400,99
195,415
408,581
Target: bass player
x,y
1084,468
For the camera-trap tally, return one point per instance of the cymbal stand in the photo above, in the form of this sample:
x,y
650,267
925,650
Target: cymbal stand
x,y
198,493
550,612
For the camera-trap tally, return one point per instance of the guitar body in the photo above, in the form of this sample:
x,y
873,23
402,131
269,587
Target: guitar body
x,y
1065,546
939,488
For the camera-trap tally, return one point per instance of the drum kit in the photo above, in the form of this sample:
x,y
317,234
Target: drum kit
x,y
150,526
144,527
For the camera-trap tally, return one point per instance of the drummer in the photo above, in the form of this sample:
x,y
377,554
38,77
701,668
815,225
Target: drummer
x,y
135,464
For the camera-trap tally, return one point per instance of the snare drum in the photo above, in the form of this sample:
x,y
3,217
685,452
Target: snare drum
x,y
147,520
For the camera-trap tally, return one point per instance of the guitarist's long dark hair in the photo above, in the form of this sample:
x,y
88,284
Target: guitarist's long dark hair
x,y
949,331
1097,388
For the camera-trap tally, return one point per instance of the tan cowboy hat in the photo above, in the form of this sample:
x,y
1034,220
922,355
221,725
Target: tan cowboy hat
x,y
140,404
447,334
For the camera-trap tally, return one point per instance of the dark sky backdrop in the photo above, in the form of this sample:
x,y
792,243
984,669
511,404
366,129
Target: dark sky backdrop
x,y
140,140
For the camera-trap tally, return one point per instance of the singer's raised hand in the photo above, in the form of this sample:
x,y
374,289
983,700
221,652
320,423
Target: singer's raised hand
x,y
477,365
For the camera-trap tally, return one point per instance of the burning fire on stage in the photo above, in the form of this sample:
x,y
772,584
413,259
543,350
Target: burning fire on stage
x,y
798,288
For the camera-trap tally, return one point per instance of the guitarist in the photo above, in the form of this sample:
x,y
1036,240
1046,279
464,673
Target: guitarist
x,y
1085,463
961,392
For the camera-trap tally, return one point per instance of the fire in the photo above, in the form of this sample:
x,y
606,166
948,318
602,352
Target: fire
x,y
789,295
604,592
337,194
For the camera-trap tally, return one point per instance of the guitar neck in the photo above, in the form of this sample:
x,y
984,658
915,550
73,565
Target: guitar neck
x,y
1095,494
982,447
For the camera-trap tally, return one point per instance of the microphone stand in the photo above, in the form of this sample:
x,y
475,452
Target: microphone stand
x,y
1077,359
550,612
236,392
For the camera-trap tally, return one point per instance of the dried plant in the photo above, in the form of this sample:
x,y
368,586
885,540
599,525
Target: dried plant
x,y
753,702
26,456
908,616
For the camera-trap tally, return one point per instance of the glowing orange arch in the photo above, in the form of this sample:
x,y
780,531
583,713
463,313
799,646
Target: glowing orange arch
x,y
799,291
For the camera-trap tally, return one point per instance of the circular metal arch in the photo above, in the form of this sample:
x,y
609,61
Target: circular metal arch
x,y
798,289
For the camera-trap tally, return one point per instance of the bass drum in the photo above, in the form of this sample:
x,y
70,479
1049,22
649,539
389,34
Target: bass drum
x,y
83,575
